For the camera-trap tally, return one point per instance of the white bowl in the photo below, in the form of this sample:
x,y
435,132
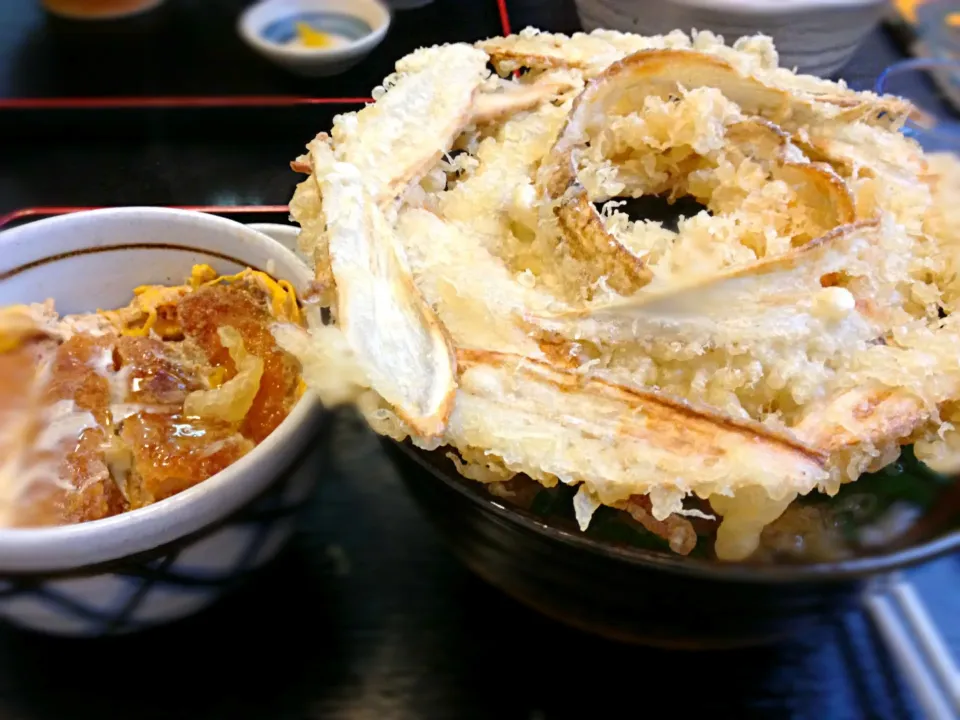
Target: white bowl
x,y
269,26
817,37
170,559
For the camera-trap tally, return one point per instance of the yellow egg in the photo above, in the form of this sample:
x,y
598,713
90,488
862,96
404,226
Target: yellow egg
x,y
313,38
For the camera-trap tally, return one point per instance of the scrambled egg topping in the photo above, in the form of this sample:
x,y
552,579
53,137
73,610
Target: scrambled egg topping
x,y
154,306
311,38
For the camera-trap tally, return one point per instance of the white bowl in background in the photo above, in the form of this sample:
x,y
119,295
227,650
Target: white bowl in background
x,y
269,27
286,235
818,37
168,560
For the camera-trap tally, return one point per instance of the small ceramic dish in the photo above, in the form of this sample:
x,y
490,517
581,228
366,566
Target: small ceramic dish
x,y
629,593
817,37
352,28
168,560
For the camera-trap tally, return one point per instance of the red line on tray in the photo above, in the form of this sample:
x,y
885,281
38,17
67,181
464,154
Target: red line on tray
x,y
504,16
10,217
173,102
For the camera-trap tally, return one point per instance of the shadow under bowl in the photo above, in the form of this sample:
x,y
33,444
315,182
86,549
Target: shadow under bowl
x,y
627,594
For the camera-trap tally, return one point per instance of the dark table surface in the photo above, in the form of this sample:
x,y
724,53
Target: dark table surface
x,y
367,615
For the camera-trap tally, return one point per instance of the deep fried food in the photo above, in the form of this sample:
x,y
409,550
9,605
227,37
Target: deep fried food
x,y
491,296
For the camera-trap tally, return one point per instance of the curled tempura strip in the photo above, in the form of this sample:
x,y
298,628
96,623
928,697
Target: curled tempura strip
x,y
394,141
391,143
823,195
400,344
474,294
231,401
512,98
754,56
625,85
619,442
749,302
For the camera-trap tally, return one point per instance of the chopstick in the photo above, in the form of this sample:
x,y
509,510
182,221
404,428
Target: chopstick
x,y
917,647
936,651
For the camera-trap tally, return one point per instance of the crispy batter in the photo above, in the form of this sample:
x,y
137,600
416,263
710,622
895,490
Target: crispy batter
x,y
618,441
402,346
666,73
512,99
783,341
750,300
394,141
753,56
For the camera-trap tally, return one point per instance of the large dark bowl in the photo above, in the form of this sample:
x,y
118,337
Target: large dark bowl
x,y
630,594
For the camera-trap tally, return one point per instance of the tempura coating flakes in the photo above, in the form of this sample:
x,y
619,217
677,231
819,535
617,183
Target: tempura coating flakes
x,y
783,341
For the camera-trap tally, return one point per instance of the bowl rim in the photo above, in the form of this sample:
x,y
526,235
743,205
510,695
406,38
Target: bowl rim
x,y
829,572
251,32
68,547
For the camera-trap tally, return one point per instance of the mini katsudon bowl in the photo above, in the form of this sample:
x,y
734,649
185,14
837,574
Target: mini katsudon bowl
x,y
628,581
153,436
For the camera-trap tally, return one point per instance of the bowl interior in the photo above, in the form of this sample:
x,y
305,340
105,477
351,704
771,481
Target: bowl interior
x,y
551,516
92,260
118,260
284,30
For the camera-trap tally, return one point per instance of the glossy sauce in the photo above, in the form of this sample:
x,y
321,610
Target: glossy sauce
x,y
95,425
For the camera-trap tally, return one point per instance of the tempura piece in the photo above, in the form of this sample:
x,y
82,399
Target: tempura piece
x,y
619,442
771,297
783,339
752,56
398,340
511,98
663,73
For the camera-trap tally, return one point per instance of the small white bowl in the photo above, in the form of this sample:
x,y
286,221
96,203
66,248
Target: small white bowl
x,y
818,37
269,27
173,558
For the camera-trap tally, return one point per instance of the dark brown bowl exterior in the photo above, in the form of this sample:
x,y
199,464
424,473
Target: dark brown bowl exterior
x,y
630,596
